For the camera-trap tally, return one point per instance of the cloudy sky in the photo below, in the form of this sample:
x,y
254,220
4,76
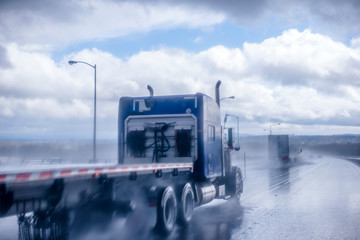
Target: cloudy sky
x,y
294,62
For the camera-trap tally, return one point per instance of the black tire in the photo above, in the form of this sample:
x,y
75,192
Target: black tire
x,y
166,211
235,184
186,205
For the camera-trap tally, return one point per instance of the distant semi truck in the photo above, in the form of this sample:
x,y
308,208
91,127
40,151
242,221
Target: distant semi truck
x,y
278,147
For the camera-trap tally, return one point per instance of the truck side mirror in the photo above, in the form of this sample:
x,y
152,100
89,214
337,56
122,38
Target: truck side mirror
x,y
230,141
230,138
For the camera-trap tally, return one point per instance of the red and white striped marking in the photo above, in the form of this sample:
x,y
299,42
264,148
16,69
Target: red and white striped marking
x,y
17,177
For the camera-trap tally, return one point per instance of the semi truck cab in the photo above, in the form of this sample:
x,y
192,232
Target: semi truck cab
x,y
182,128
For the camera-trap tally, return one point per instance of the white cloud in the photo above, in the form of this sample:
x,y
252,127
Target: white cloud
x,y
336,18
198,39
35,74
281,79
355,43
39,22
304,58
94,19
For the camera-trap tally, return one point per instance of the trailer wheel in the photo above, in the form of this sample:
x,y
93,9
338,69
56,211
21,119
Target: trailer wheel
x,y
186,205
235,184
166,211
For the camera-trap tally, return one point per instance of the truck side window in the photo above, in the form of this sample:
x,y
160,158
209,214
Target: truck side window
x,y
210,133
182,143
136,143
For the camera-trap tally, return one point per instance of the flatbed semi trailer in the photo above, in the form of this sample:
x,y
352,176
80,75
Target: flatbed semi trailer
x,y
171,156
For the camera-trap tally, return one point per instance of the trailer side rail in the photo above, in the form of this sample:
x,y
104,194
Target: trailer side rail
x,y
111,171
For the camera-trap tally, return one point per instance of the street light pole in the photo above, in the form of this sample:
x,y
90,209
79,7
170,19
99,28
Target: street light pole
x,y
71,62
273,125
94,138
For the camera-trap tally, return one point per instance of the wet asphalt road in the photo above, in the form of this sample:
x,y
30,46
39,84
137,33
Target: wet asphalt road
x,y
311,198
317,198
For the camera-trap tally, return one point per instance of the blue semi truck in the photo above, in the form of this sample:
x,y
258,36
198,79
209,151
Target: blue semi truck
x,y
278,146
171,156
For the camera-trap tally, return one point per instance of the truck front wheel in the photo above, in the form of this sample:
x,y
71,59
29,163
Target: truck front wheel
x,y
166,211
235,184
186,205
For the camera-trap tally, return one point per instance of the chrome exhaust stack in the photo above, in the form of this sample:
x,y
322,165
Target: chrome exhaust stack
x,y
150,90
217,92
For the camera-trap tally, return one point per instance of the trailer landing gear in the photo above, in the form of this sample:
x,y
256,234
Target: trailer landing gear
x,y
6,199
43,224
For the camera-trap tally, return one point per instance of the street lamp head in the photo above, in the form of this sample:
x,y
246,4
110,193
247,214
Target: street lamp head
x,y
232,97
71,62
273,125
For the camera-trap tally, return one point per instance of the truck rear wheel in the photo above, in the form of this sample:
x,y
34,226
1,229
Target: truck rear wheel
x,y
166,211
186,205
